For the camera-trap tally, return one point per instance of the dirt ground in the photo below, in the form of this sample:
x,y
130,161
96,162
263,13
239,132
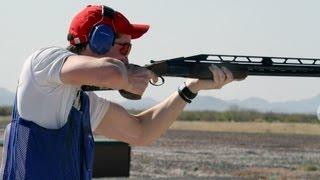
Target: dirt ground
x,y
207,155
221,155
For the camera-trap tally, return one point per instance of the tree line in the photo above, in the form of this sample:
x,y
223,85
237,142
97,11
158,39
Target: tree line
x,y
5,110
244,116
247,116
236,115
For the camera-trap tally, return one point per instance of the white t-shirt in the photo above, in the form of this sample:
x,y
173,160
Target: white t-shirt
x,y
43,99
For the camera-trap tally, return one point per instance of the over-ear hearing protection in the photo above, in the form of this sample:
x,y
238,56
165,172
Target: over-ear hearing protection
x,y
101,37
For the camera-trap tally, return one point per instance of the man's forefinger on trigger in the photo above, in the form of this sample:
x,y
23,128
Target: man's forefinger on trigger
x,y
153,76
228,73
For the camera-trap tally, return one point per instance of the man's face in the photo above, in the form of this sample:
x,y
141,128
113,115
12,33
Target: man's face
x,y
121,48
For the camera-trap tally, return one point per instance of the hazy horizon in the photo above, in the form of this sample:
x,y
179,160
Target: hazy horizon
x,y
180,28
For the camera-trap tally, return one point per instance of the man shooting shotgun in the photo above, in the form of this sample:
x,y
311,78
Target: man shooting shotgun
x,y
50,135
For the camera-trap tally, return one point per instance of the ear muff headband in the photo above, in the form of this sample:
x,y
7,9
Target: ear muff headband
x,y
102,36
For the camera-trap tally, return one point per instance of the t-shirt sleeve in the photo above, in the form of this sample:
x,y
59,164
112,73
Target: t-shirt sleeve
x,y
98,108
47,64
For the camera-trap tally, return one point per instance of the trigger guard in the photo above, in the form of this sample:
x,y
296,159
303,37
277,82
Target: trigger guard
x,y
154,84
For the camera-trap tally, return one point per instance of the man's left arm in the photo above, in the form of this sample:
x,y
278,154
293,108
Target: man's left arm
x,y
146,127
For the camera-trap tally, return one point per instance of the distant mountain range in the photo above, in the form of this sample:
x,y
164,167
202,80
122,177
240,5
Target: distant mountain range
x,y
302,106
202,103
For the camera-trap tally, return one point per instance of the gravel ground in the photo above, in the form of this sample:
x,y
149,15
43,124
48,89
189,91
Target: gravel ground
x,y
215,155
204,155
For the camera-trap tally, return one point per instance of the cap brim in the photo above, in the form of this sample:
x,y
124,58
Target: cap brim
x,y
138,30
122,25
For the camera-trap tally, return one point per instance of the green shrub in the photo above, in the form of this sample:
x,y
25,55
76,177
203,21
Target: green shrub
x,y
246,116
5,110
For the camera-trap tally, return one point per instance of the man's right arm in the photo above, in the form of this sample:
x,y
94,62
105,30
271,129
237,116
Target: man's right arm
x,y
103,72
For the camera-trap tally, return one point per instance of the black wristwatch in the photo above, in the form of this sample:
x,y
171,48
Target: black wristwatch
x,y
186,94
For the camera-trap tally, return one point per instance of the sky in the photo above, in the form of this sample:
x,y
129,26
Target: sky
x,y
179,28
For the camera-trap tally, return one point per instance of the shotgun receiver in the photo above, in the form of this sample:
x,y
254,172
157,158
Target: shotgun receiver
x,y
240,66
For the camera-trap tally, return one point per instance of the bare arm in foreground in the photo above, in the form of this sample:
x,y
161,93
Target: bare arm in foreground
x,y
146,127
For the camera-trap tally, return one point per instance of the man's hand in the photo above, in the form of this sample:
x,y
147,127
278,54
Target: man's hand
x,y
221,77
138,79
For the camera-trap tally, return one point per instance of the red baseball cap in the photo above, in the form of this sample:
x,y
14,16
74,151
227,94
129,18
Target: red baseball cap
x,y
93,15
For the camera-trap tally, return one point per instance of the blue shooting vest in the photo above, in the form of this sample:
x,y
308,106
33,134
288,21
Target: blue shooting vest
x,y
35,152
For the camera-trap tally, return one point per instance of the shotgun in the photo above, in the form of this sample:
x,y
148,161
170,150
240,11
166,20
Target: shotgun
x,y
240,66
